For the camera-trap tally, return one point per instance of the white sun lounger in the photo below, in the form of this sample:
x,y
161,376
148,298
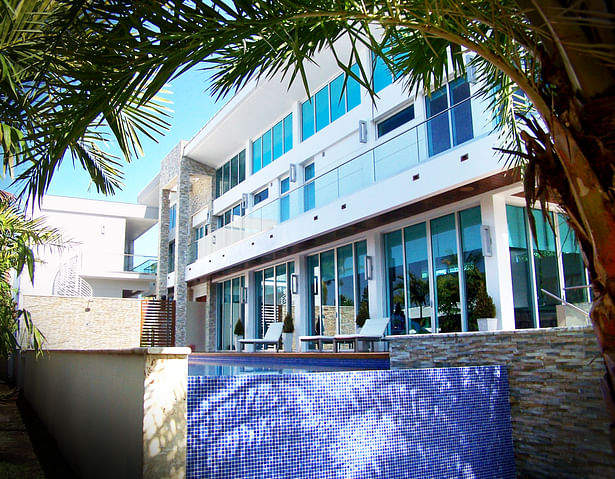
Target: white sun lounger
x,y
373,330
273,337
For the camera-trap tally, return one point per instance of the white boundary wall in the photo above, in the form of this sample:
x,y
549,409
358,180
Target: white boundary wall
x,y
114,413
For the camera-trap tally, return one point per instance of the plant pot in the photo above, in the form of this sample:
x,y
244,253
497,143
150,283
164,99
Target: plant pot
x,y
487,324
287,339
236,339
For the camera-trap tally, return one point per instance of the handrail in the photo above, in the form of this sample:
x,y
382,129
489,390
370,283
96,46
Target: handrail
x,y
565,303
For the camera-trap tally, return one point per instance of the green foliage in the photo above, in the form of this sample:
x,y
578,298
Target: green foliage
x,y
238,331
18,238
288,326
363,314
484,307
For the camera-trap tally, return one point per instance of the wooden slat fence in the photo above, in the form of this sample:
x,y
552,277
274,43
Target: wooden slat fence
x,y
157,323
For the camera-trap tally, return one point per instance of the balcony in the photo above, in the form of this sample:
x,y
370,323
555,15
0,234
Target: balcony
x,y
423,142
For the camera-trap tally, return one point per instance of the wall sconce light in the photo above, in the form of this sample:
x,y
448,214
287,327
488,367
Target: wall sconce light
x,y
362,131
315,285
244,295
485,240
292,173
244,201
368,268
294,284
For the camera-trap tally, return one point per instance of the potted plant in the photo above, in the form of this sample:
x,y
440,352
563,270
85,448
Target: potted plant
x,y
484,311
288,328
238,333
362,315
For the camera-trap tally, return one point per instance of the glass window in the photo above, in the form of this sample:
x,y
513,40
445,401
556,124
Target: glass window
x,y
361,284
313,272
226,177
395,281
237,211
444,252
353,89
461,112
438,132
234,171
338,98
417,278
307,119
346,291
322,108
256,155
227,217
572,263
546,270
398,119
278,140
473,261
285,199
218,182
269,307
172,216
260,290
327,291
281,289
266,148
382,75
288,133
261,196
520,267
242,165
309,188
171,262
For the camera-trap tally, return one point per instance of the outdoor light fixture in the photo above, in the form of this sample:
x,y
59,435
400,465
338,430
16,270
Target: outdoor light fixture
x,y
244,201
244,295
294,283
368,268
315,285
362,131
292,173
485,240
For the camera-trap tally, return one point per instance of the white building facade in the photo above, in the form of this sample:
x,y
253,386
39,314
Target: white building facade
x,y
320,205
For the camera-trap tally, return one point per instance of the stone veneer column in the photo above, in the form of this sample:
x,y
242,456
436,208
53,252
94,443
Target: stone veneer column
x,y
163,245
210,319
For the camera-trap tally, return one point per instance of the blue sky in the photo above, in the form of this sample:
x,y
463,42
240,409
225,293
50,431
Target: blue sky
x,y
192,107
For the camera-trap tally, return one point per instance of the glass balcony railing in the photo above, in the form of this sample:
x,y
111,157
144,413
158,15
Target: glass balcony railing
x,y
421,143
140,264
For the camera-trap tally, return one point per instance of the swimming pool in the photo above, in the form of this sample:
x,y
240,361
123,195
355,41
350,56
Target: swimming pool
x,y
224,364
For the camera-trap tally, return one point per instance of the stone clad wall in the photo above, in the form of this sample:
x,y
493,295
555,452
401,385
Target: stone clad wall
x,y
86,323
559,422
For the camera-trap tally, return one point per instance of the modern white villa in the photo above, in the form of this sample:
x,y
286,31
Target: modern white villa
x,y
319,205
98,258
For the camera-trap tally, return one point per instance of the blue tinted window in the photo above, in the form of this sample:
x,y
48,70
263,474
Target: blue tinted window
x,y
309,189
353,89
382,74
242,166
237,210
395,121
172,217
256,156
284,185
461,112
438,132
218,182
266,148
309,172
338,98
234,171
284,200
307,119
322,108
226,177
288,133
278,140
261,196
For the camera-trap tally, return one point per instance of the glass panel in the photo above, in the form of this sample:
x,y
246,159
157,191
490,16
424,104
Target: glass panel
x,y
396,155
313,326
395,281
290,271
284,200
444,253
225,320
266,148
356,174
278,140
269,307
520,267
234,171
242,166
546,269
353,89
256,156
338,98
345,289
327,291
261,196
322,108
417,271
473,261
218,182
226,177
280,291
309,191
307,119
395,121
382,74
227,217
236,306
361,284
171,262
462,112
237,210
288,133
438,133
259,292
572,261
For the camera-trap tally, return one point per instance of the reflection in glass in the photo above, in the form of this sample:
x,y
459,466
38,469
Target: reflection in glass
x,y
266,148
322,108
281,288
345,285
260,290
438,132
361,284
461,113
417,270
314,303
574,268
268,312
473,261
520,267
288,133
353,89
278,140
256,156
327,291
444,252
338,98
307,119
545,266
395,281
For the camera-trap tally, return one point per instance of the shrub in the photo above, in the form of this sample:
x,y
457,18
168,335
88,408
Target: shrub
x,y
363,314
238,331
288,326
484,307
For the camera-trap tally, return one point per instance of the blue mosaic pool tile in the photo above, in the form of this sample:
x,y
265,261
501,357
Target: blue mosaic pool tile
x,y
427,423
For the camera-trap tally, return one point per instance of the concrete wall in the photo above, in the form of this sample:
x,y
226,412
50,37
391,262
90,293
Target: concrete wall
x,y
107,424
86,323
560,427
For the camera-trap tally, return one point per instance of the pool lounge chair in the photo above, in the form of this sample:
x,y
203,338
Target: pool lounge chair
x,y
273,337
319,340
372,331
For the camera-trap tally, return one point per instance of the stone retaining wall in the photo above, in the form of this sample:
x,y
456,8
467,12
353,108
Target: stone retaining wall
x,y
560,427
